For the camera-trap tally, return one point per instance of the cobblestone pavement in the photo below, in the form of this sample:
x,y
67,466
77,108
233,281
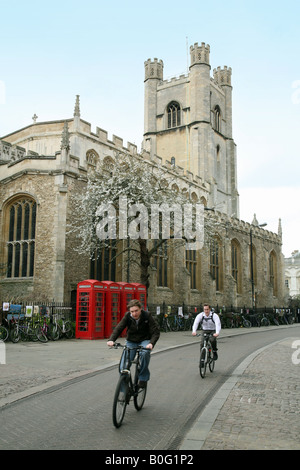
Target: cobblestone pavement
x,y
262,391
263,409
259,406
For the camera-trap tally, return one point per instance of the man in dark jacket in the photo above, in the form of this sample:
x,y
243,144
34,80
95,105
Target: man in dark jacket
x,y
142,330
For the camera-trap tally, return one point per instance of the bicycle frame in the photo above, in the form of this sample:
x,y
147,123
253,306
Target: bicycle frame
x,y
42,331
206,355
128,363
206,344
21,331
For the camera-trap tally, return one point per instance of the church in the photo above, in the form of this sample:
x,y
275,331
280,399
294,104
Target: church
x,y
188,131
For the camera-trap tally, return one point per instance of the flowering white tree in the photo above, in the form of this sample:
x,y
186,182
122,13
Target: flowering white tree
x,y
131,199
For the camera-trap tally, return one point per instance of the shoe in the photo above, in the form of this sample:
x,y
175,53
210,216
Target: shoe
x,y
215,356
142,384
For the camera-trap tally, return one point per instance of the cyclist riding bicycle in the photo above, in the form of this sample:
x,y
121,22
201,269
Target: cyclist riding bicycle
x,y
142,330
210,323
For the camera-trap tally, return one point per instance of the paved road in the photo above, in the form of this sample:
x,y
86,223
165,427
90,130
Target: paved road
x,y
76,413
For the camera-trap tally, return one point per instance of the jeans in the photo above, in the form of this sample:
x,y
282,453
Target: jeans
x,y
144,373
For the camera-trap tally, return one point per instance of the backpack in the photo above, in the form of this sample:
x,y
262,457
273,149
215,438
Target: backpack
x,y
208,318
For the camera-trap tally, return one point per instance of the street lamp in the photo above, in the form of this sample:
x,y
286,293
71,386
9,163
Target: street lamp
x,y
251,264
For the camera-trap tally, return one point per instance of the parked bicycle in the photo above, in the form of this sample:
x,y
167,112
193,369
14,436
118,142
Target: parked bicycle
x,y
43,331
61,328
178,323
21,331
166,324
245,322
288,317
206,355
3,333
275,320
127,386
232,320
188,321
263,320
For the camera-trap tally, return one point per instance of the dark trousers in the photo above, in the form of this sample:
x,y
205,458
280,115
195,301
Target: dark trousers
x,y
213,339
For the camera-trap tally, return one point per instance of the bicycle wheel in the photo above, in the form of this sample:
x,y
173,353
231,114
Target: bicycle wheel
x,y
54,332
120,400
68,330
264,322
211,363
23,334
41,336
246,324
203,363
14,335
31,334
140,397
3,333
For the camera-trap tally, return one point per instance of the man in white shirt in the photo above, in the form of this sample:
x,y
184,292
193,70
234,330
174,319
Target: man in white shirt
x,y
210,323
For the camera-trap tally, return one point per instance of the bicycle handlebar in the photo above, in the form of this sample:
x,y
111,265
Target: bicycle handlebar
x,y
207,334
119,345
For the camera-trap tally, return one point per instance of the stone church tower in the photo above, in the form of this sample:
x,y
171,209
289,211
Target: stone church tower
x,y
188,121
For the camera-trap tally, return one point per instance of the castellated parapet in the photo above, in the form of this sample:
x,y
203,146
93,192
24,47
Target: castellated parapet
x,y
199,54
222,76
154,69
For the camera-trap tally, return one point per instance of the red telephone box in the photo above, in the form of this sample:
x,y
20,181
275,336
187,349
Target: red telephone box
x,y
127,294
90,309
112,306
140,294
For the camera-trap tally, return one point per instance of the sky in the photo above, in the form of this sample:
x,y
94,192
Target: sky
x,y
52,51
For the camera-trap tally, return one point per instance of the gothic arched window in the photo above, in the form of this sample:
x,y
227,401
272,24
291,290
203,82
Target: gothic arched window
x,y
160,262
216,262
173,112
217,113
273,272
92,157
103,266
191,266
253,269
203,201
236,268
20,239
